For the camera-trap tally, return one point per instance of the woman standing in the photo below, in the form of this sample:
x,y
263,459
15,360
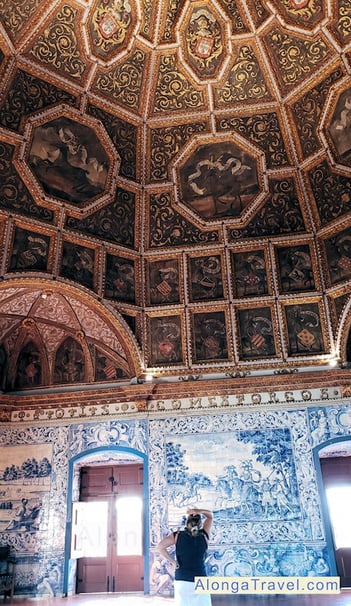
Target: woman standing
x,y
191,546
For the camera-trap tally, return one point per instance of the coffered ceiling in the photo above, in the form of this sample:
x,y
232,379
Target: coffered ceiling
x,y
175,188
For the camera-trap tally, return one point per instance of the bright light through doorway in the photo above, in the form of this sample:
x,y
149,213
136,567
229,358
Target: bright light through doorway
x,y
129,525
89,525
339,499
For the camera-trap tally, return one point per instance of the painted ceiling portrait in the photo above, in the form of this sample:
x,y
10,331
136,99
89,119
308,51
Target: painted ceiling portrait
x,y
175,188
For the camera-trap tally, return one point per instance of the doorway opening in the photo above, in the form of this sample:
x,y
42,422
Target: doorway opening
x,y
108,529
335,465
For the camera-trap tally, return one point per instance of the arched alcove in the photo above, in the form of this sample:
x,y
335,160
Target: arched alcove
x,y
56,334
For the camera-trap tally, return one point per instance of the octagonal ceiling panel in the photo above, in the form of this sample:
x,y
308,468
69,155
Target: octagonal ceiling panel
x,y
219,180
72,160
339,128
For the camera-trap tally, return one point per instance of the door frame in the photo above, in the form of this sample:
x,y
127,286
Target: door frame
x,y
324,503
88,456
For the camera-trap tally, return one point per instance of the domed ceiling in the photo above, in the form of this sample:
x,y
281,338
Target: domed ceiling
x,y
175,188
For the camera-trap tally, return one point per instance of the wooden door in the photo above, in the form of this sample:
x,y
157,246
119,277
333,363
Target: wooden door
x,y
114,493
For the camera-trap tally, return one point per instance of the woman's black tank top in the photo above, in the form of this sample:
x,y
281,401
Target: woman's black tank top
x,y
190,554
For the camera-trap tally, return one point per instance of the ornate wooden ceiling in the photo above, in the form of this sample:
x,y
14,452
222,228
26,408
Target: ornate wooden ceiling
x,y
175,188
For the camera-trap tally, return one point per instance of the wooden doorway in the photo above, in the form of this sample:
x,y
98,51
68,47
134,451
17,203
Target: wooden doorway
x,y
108,529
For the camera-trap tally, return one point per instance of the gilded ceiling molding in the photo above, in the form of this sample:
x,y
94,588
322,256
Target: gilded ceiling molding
x,y
169,228
17,15
263,130
305,14
169,15
238,17
173,90
15,195
258,11
115,222
125,136
294,58
58,45
306,111
166,142
245,80
27,93
184,167
341,25
124,83
331,192
281,213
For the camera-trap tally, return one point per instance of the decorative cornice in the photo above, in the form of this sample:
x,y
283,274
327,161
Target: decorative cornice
x,y
150,399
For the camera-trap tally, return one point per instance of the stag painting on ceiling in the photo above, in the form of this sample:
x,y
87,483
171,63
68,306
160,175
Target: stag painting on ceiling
x,y
166,340
164,281
250,274
304,329
120,277
296,271
338,250
29,251
210,336
78,264
206,278
256,333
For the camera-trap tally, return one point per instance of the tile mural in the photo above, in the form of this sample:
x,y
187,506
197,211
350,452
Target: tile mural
x,y
255,469
24,487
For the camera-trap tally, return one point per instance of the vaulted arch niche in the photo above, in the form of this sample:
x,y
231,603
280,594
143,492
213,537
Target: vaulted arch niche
x,y
55,335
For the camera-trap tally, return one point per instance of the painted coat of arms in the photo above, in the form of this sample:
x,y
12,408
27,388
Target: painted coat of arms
x,y
111,20
204,43
307,10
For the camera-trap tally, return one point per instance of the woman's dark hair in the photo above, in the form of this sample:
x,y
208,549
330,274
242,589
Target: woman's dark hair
x,y
193,523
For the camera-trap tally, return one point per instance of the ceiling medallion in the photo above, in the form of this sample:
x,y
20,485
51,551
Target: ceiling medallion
x,y
203,41
219,179
338,128
111,24
72,158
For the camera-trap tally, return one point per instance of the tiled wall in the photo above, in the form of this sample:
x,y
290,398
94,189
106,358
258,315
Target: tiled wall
x,y
255,469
